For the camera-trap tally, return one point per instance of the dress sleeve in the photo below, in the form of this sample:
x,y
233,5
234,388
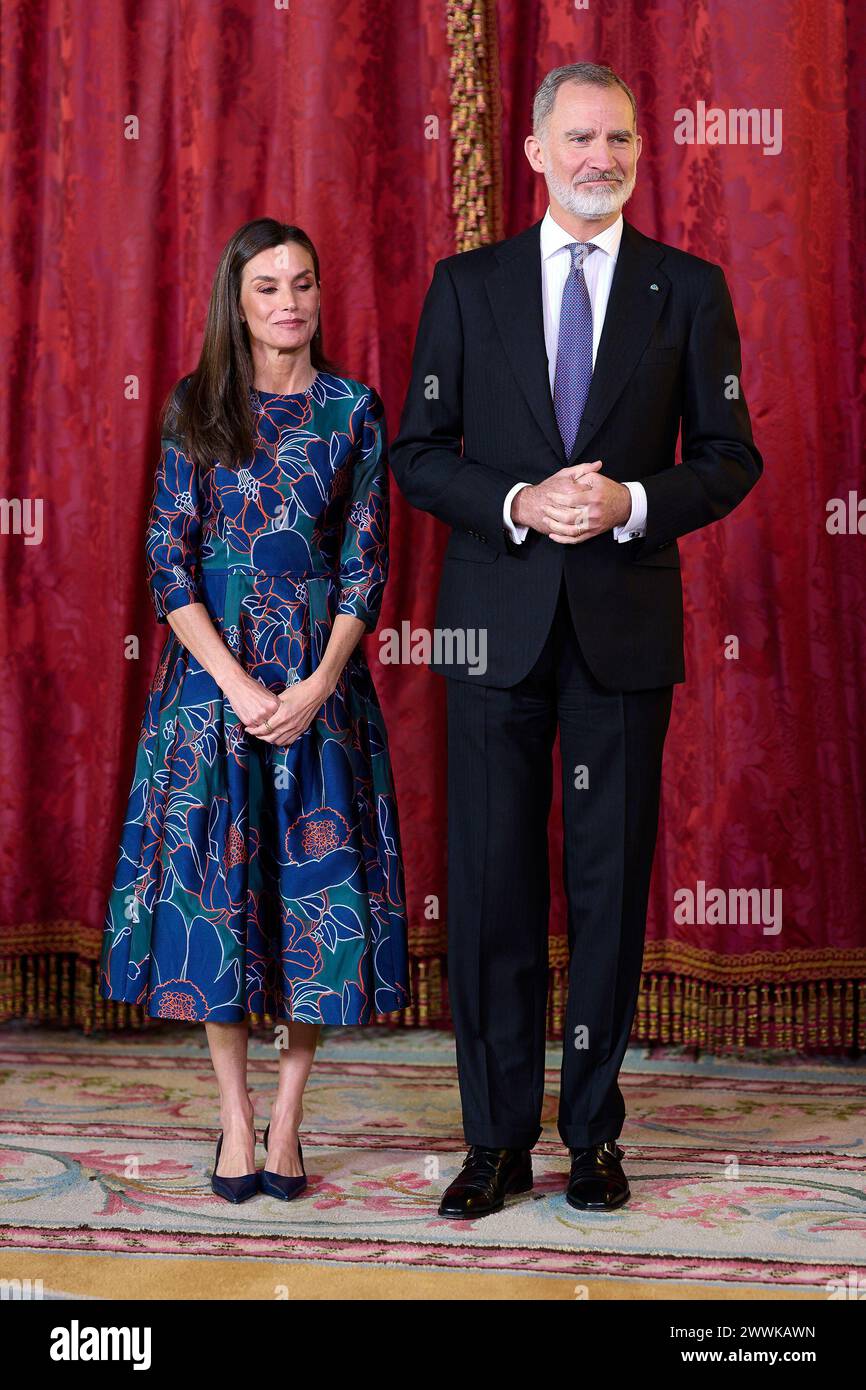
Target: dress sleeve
x,y
364,550
173,532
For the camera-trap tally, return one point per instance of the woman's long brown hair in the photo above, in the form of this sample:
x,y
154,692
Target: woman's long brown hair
x,y
208,412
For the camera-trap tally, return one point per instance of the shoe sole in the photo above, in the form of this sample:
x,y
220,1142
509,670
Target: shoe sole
x,y
598,1206
491,1211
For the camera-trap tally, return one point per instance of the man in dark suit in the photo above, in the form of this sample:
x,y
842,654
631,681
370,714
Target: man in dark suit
x,y
552,374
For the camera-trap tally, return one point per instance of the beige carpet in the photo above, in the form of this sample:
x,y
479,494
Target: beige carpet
x,y
748,1178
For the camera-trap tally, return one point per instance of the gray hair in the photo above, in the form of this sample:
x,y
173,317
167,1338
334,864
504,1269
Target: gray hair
x,y
585,74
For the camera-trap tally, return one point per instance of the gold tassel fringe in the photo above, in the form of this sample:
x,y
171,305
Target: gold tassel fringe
x,y
475,123
63,990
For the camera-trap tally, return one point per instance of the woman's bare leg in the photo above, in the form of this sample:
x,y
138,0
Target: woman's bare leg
x,y
288,1111
228,1050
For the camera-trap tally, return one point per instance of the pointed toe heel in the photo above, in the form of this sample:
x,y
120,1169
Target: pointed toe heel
x,y
279,1184
232,1189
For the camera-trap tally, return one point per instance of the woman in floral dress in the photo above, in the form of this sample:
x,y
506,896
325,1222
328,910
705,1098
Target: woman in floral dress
x,y
259,868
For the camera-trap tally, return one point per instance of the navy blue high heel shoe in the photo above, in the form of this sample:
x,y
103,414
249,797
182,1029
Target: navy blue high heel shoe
x,y
232,1189
278,1184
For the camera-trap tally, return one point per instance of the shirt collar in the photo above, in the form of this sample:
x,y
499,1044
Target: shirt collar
x,y
554,237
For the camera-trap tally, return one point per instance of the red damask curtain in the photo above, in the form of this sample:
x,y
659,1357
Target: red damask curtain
x,y
136,139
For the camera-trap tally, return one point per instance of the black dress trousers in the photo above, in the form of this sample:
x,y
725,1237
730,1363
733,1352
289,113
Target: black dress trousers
x,y
500,746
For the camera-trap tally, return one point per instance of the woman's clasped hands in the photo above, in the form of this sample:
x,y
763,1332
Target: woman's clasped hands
x,y
278,718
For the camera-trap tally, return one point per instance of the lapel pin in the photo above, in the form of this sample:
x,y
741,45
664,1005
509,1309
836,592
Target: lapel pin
x,y
653,286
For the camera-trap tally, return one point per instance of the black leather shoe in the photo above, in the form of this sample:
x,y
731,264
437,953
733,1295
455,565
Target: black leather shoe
x,y
279,1184
487,1177
596,1181
232,1189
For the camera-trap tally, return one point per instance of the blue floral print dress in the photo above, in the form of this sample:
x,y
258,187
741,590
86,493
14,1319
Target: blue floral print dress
x,y
253,878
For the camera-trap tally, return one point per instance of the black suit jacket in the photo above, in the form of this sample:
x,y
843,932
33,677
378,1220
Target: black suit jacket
x,y
479,416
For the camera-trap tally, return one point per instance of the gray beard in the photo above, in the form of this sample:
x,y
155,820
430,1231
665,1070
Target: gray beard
x,y
591,203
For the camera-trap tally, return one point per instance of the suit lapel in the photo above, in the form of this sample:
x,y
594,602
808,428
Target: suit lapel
x,y
514,292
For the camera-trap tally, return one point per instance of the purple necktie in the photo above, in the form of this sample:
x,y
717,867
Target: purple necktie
x,y
574,349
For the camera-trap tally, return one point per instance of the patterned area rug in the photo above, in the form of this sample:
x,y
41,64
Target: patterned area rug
x,y
748,1176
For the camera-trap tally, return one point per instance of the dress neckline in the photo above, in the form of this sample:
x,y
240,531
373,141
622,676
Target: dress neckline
x,y
286,396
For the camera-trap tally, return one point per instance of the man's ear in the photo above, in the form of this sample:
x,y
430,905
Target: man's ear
x,y
531,148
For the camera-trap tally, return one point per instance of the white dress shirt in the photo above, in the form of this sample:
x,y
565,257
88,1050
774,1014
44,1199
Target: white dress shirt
x,y
598,273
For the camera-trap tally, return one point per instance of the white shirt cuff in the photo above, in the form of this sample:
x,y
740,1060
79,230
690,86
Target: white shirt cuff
x,y
636,524
517,533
